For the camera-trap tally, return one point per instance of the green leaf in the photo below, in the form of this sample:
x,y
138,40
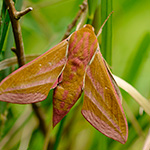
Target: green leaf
x,y
59,133
106,47
91,8
142,101
4,26
137,59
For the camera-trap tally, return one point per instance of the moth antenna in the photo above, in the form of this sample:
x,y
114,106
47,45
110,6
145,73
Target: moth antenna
x,y
100,30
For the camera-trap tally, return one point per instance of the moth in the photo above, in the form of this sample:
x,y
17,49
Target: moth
x,y
72,66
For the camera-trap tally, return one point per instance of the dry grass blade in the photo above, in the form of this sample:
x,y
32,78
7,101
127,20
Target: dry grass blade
x,y
12,61
143,102
133,120
19,122
147,142
27,133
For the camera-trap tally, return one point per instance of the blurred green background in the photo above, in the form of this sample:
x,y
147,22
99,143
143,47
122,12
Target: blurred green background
x,y
44,27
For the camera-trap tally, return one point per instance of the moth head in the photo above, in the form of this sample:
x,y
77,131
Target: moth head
x,y
89,26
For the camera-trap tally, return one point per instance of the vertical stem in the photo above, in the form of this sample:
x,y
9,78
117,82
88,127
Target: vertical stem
x,y
92,5
106,47
17,32
41,117
19,51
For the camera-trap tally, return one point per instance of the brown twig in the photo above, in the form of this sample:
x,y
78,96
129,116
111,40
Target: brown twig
x,y
17,32
19,14
70,26
41,118
19,50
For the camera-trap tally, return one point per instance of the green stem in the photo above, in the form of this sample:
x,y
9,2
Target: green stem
x,y
106,47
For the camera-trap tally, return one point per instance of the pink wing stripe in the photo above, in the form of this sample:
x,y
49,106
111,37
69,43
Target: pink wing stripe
x,y
37,82
23,98
28,64
105,128
98,87
100,108
36,78
23,87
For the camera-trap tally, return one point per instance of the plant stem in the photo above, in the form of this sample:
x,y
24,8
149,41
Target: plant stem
x,y
17,32
106,47
70,26
19,51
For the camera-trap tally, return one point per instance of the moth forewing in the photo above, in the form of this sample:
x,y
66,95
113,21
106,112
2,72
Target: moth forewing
x,y
31,83
101,106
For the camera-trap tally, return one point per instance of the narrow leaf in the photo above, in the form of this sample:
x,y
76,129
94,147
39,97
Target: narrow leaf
x,y
91,9
106,47
13,61
147,142
136,60
143,102
4,26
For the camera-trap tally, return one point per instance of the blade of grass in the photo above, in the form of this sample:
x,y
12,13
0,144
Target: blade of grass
x,y
133,120
106,47
27,133
7,53
2,15
5,21
24,117
137,59
4,26
1,3
142,101
4,73
147,142
58,135
13,61
91,10
101,139
96,23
